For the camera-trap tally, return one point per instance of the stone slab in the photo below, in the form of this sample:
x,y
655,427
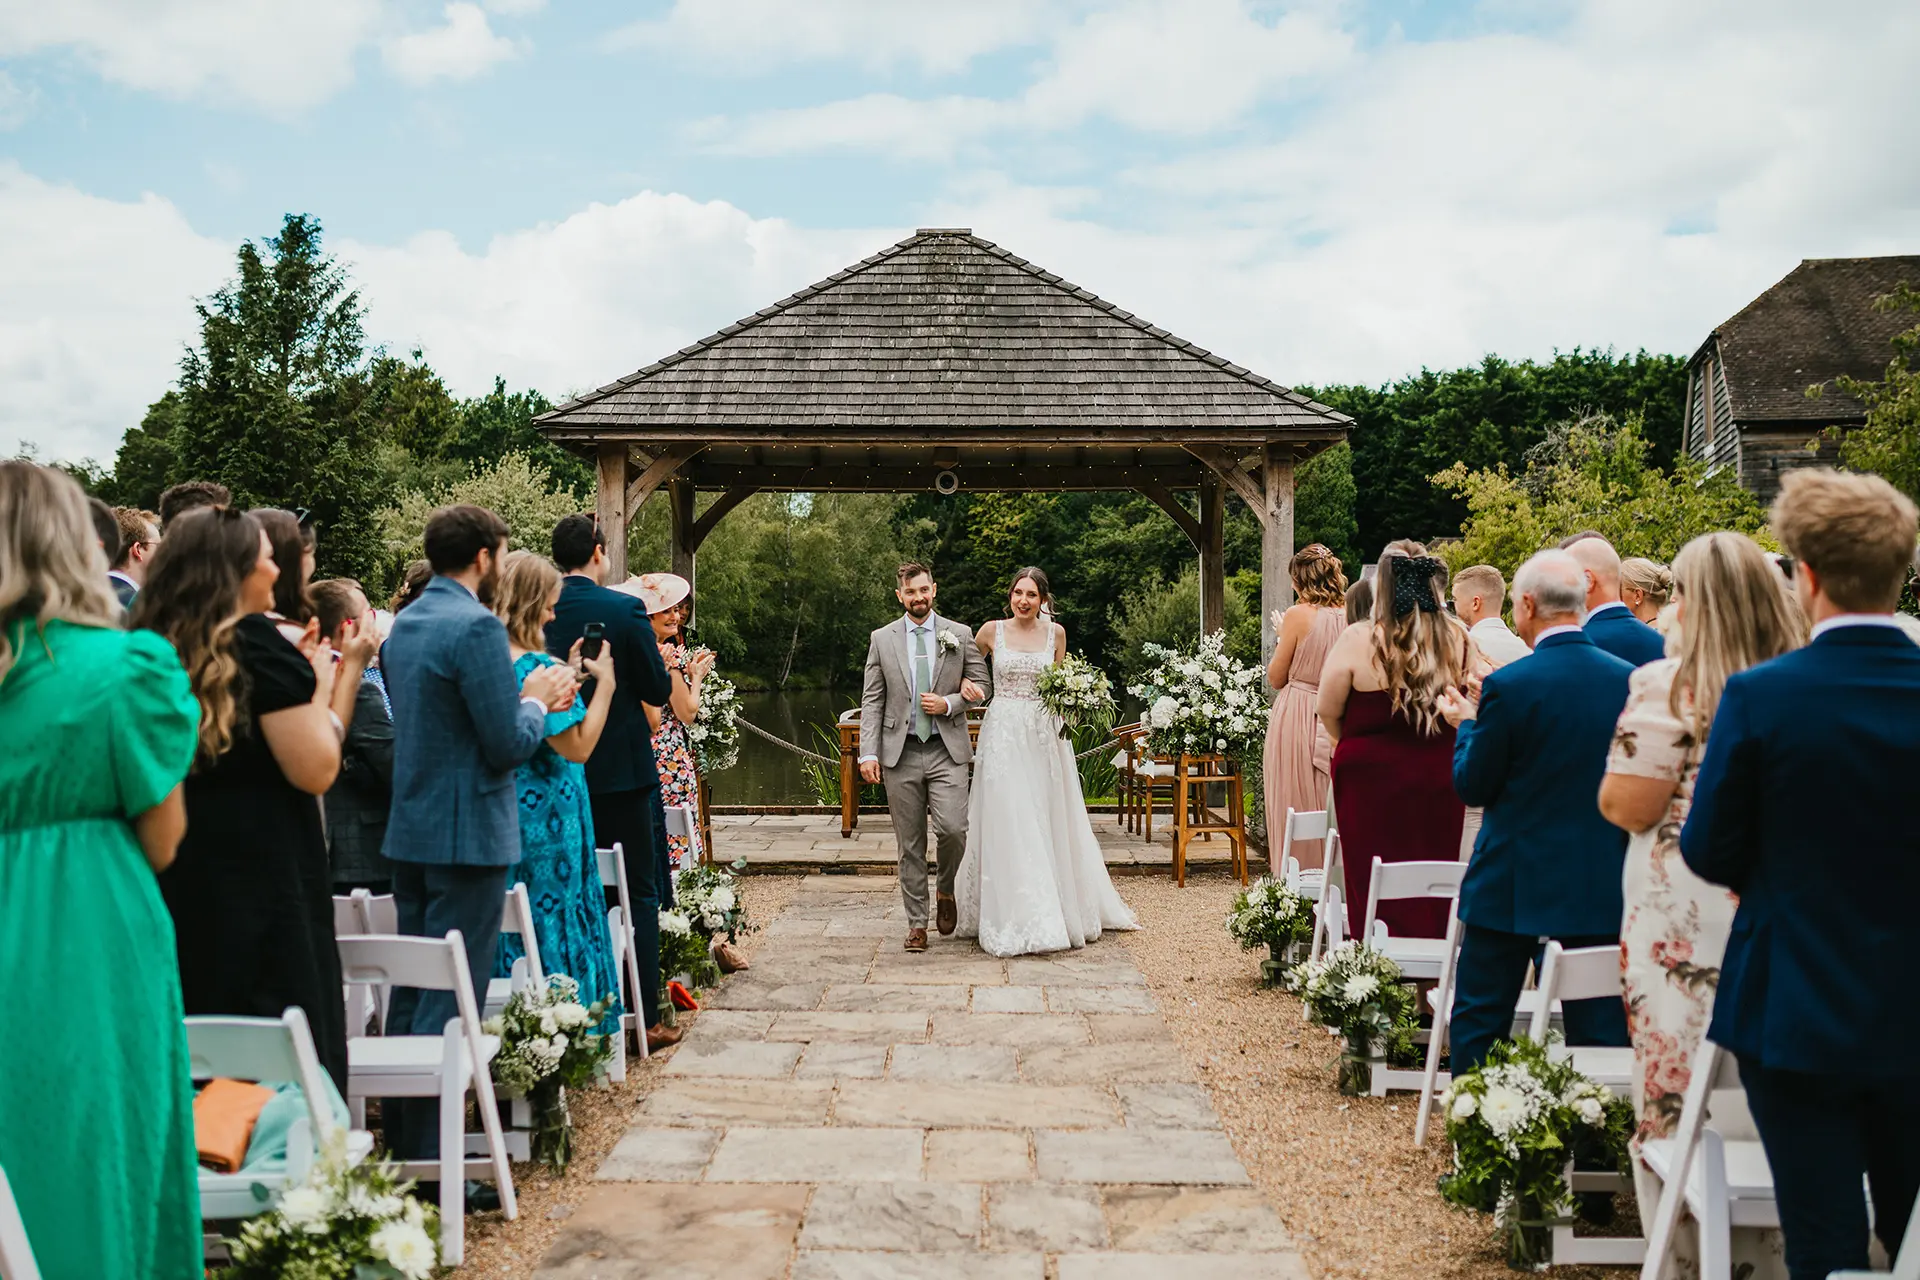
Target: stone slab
x,y
857,927
930,968
1009,1000
894,997
700,1101
852,1028
1193,1220
646,1154
978,1155
953,1063
1167,1106
1186,1266
1076,999
817,1155
747,992
1128,1028
928,1104
707,1058
784,969
825,1265
785,926
731,1024
834,1060
1065,1064
637,1232
1120,971
1158,1156
1016,1030
1045,1216
914,1217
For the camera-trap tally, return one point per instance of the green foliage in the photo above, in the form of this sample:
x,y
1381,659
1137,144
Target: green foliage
x,y
1593,473
143,467
1888,443
1169,615
516,489
1324,501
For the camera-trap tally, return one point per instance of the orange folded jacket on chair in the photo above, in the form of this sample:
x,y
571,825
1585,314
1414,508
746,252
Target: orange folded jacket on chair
x,y
224,1114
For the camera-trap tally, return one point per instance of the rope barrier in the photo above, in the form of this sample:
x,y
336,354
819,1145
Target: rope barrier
x,y
777,741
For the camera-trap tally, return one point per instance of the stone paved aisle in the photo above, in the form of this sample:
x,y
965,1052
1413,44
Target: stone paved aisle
x,y
847,1111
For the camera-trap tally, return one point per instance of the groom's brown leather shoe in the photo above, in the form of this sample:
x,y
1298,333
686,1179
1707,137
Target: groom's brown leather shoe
x,y
949,915
916,939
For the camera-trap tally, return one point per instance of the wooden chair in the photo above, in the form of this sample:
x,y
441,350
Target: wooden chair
x,y
16,1251
1725,1182
1123,775
613,875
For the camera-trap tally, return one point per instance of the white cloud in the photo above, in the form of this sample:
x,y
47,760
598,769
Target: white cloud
x,y
462,49
16,103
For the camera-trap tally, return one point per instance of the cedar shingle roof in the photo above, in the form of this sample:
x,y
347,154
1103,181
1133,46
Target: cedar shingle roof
x,y
945,330
1817,323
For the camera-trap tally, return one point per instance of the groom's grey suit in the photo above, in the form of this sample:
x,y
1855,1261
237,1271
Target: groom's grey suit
x,y
923,775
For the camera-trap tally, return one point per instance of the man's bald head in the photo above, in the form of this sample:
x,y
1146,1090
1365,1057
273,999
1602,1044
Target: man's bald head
x,y
1601,563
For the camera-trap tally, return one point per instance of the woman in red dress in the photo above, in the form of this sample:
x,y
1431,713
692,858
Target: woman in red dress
x,y
1393,754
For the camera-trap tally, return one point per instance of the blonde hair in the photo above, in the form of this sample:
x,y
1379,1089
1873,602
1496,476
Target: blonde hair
x,y
1856,532
1420,653
1736,615
51,564
1318,577
1650,578
1483,580
527,583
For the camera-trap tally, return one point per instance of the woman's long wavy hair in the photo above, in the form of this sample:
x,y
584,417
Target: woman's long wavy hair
x,y
51,565
1318,577
527,582
1737,615
1421,653
192,597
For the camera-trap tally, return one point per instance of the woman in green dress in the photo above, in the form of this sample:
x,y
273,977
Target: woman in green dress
x,y
96,1091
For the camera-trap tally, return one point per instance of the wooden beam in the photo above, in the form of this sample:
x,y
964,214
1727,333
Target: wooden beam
x,y
1053,435
665,462
1225,465
1276,540
1163,498
1213,554
726,502
858,478
680,528
610,506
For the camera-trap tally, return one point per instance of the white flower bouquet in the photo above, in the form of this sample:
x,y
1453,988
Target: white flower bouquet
x,y
1269,914
1080,694
1515,1124
685,951
1201,703
709,899
1360,993
546,1045
355,1222
714,733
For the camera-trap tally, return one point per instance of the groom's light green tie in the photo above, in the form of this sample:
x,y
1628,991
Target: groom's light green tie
x,y
922,683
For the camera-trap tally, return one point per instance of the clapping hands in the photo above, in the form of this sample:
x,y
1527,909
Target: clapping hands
x,y
1460,704
555,685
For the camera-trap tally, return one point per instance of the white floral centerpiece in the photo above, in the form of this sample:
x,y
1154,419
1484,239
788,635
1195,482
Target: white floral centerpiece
x,y
546,1044
1201,703
710,900
715,733
685,951
1080,694
355,1222
1515,1124
1269,914
1360,993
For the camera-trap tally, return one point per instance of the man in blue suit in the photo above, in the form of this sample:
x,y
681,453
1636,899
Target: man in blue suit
x,y
623,782
1804,806
1531,752
1610,624
460,729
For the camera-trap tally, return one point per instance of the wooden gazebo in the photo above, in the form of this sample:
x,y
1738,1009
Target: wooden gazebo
x,y
944,363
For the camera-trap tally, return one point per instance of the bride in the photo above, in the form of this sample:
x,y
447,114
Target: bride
x,y
1033,878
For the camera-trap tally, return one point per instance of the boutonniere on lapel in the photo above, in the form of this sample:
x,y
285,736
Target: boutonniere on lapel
x,y
948,641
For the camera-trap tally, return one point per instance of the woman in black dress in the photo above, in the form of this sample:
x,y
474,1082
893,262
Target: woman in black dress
x,y
250,892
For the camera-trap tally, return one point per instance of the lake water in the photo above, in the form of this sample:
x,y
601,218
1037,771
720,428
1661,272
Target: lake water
x,y
767,774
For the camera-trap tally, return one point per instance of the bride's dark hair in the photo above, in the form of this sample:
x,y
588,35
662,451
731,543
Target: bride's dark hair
x,y
1039,577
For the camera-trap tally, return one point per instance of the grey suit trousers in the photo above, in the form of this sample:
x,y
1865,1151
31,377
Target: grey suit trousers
x,y
927,781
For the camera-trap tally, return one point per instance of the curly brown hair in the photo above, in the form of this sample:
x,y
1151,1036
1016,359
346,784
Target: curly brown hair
x,y
1318,577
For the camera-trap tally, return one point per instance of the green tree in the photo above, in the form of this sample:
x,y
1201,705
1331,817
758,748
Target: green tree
x,y
1888,443
502,421
516,488
1323,506
143,466
1167,612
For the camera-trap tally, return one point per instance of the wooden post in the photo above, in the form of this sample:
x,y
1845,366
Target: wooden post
x,y
610,507
1213,553
680,523
1276,541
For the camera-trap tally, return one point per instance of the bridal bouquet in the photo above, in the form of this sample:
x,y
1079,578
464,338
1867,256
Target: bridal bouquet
x,y
709,898
545,1045
714,732
1271,915
1079,693
356,1222
1515,1124
1360,993
1201,703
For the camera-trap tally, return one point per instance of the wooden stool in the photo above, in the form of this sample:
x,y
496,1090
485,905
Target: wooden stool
x,y
706,820
1192,775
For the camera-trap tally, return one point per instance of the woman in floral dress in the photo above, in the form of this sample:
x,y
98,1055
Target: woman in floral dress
x,y
1732,615
665,596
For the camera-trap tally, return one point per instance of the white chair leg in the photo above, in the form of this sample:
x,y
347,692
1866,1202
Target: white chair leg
x,y
1715,1223
1436,1042
453,1148
617,1068
496,1142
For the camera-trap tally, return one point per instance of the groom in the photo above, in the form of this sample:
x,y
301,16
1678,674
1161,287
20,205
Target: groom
x,y
922,671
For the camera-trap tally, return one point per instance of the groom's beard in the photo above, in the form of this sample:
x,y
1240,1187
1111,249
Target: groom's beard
x,y
920,613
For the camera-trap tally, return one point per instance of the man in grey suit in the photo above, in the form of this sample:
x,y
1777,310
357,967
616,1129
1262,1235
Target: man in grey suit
x,y
460,729
922,671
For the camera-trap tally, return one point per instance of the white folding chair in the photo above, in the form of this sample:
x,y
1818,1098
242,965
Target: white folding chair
x,y
683,820
1330,912
1724,1181
16,1251
1314,824
429,1066
1585,973
1440,999
516,918
1418,958
266,1050
379,913
1906,1266
613,875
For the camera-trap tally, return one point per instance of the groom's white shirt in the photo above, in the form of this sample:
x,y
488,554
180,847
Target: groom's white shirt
x,y
933,653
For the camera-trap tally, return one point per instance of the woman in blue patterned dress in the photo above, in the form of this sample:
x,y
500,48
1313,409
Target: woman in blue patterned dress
x,y
557,861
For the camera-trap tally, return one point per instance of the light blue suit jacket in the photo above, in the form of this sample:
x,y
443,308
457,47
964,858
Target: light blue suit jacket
x,y
459,732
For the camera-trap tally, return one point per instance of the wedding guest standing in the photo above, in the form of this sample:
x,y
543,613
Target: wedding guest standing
x,y
250,893
1298,757
1645,588
1804,808
293,553
1359,602
1730,615
190,495
139,539
358,802
419,573
665,596
96,1116
1392,756
1478,596
1609,623
557,861
1532,747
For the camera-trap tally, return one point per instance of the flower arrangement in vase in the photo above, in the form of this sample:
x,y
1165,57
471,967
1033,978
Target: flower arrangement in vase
x,y
1360,993
351,1221
546,1046
715,731
1269,914
1201,703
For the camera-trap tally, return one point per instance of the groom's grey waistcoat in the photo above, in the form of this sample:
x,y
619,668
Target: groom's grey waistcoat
x,y
887,700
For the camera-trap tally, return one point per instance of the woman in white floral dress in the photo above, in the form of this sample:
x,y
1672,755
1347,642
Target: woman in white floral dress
x,y
1732,615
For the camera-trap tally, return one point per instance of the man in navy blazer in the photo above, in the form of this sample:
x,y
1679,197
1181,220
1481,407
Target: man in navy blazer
x,y
461,727
1610,624
1546,864
623,781
1804,806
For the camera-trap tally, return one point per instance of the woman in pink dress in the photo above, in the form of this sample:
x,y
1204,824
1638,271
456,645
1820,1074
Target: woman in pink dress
x,y
1298,755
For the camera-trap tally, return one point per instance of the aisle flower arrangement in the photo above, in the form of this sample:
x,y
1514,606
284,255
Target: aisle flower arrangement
x,y
1514,1124
1269,914
1201,703
715,731
710,899
1360,993
344,1222
1080,694
546,1047
685,951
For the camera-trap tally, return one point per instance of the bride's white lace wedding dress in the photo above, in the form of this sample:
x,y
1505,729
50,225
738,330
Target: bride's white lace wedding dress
x,y
1033,878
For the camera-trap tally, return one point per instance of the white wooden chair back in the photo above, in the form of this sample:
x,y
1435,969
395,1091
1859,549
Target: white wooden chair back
x,y
517,919
1714,1070
1314,824
683,820
613,875
1442,1022
346,913
1330,914
1397,881
378,912
1584,973
16,1252
268,1050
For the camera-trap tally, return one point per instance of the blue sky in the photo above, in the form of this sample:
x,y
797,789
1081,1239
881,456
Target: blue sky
x,y
559,193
